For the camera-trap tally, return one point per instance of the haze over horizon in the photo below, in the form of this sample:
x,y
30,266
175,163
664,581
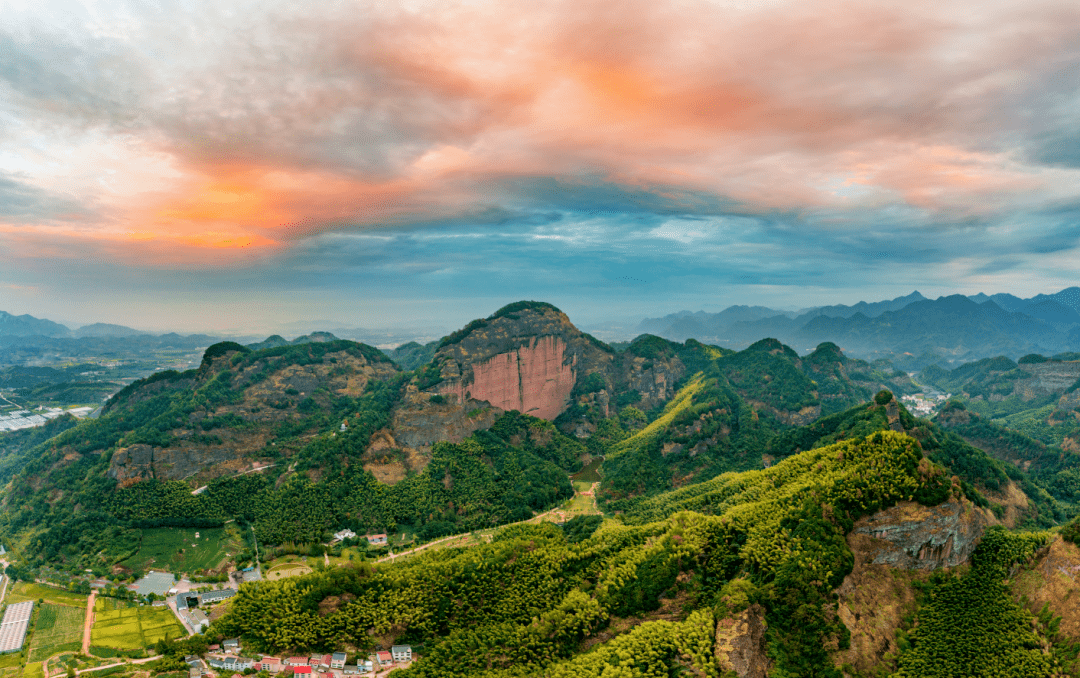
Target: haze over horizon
x,y
220,166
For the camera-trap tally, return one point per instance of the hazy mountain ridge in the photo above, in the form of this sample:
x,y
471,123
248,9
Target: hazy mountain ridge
x,y
911,329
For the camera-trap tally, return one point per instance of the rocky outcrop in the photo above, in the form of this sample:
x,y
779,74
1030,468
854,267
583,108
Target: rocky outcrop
x,y
913,536
271,390
418,423
534,379
525,357
143,462
1052,376
740,644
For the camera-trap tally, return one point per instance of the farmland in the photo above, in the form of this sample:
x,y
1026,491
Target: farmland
x,y
57,628
118,627
25,591
179,550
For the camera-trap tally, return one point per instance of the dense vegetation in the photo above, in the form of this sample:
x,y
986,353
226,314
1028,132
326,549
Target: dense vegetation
x,y
527,600
483,481
971,626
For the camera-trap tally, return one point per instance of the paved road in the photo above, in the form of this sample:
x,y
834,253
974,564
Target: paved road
x,y
89,622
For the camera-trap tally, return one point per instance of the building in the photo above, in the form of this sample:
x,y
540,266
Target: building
x,y
384,658
337,660
265,663
401,653
351,669
296,661
344,534
14,625
301,670
365,666
376,539
216,596
231,645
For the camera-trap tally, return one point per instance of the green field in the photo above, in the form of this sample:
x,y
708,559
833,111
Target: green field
x,y
287,570
590,473
33,670
179,550
57,628
131,628
35,592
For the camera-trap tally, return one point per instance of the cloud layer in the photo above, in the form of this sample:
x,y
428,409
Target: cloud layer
x,y
700,143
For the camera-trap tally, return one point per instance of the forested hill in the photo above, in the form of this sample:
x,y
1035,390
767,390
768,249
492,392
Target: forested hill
x,y
749,581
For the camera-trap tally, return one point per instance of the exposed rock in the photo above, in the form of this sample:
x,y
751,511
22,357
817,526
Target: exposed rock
x,y
913,536
527,359
418,422
873,600
1052,376
533,379
143,462
271,393
1054,579
740,644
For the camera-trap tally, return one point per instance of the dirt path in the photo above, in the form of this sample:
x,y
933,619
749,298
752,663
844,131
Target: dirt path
x,y
89,623
535,519
109,666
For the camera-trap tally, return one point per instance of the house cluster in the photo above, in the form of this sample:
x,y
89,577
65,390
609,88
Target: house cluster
x,y
226,659
924,404
187,606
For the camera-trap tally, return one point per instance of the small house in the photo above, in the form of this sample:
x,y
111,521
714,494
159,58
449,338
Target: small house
x,y
337,660
350,669
301,670
265,663
401,653
231,645
384,658
296,661
376,539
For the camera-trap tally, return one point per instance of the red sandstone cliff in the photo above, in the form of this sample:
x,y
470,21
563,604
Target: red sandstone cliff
x,y
533,379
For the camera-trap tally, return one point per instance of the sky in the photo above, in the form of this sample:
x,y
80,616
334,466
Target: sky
x,y
249,166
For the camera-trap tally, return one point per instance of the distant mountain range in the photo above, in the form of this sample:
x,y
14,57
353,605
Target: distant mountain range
x,y
912,331
28,325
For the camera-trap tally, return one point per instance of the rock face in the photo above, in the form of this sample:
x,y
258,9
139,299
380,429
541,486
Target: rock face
x,y
894,548
740,644
534,379
417,424
1052,376
524,357
913,536
271,391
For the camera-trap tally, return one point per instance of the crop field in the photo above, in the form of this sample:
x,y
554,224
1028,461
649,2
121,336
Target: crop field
x,y
57,628
33,670
288,570
24,591
132,628
179,550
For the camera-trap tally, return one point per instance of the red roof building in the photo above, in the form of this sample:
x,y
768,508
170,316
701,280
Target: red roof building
x,y
384,658
296,661
301,670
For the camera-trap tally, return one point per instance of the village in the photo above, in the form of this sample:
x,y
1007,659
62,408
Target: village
x,y
226,660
